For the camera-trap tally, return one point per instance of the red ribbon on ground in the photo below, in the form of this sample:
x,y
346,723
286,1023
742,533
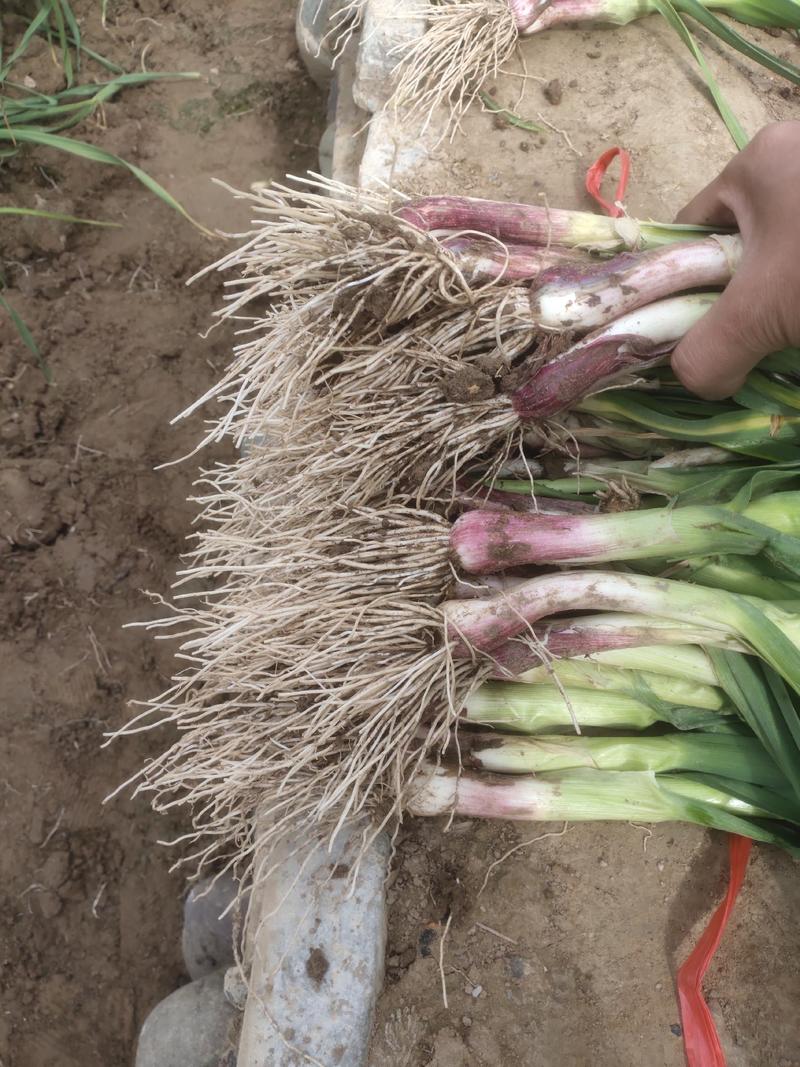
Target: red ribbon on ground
x,y
596,173
700,1038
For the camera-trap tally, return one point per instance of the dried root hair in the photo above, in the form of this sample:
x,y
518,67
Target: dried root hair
x,y
405,415
465,45
326,236
315,675
335,295
316,679
344,21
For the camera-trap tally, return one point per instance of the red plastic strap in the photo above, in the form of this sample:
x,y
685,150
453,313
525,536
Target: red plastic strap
x,y
700,1038
596,173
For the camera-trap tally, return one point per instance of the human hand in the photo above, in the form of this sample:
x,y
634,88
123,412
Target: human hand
x,y
759,311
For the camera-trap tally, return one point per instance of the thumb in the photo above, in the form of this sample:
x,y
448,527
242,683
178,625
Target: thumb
x,y
717,354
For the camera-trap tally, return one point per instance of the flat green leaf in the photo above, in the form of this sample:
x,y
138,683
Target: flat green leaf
x,y
735,40
762,392
768,831
751,576
764,702
787,704
781,13
55,216
33,27
668,11
32,135
778,801
733,485
766,480
768,437
786,362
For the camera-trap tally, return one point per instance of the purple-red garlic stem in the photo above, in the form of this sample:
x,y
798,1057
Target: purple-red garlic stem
x,y
527,224
484,261
443,790
585,635
628,345
484,625
534,16
582,297
485,542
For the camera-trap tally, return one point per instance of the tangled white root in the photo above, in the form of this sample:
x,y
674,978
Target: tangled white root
x,y
315,675
465,45
344,21
322,283
370,332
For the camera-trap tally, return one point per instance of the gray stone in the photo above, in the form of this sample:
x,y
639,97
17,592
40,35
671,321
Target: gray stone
x,y
207,939
192,1027
47,903
235,988
55,870
312,23
326,151
389,27
348,120
316,944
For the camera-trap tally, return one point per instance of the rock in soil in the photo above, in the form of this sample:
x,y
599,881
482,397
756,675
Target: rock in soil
x,y
553,91
193,1027
207,940
235,988
318,932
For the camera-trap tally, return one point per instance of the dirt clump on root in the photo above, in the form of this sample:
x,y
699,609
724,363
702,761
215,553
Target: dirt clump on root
x,y
467,385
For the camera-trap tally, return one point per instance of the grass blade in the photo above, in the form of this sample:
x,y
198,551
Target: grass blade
x,y
55,216
33,135
27,337
75,103
508,116
668,11
57,15
73,30
735,40
33,27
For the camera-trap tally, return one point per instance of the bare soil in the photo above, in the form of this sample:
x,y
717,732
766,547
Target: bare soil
x,y
567,956
564,953
89,912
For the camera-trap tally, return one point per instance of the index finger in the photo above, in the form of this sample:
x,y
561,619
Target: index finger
x,y
708,209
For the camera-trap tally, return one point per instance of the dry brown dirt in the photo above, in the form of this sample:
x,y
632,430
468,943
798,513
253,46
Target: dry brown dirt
x,y
566,957
89,913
